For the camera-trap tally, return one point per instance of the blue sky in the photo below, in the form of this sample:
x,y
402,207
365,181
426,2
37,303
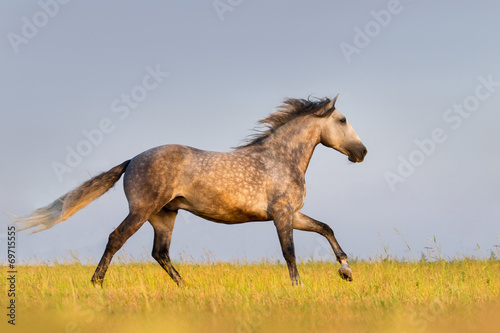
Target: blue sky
x,y
421,89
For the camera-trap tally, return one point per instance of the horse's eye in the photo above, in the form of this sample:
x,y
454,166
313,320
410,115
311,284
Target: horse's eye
x,y
343,120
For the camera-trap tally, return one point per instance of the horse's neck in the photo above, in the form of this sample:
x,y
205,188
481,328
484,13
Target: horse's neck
x,y
296,142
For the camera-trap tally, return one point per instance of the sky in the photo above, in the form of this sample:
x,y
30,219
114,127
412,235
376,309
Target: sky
x,y
86,85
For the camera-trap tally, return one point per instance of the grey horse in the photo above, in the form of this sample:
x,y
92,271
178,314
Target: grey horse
x,y
261,180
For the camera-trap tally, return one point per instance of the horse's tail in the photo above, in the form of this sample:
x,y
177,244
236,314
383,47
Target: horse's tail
x,y
68,204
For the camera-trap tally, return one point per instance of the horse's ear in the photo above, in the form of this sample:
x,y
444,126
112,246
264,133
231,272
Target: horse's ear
x,y
333,101
331,105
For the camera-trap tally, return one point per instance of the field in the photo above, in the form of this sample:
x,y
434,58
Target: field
x,y
385,296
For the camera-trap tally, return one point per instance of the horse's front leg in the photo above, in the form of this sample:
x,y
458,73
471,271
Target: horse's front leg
x,y
283,220
304,222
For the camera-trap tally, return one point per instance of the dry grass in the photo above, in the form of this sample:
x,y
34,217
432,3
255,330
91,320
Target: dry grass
x,y
461,296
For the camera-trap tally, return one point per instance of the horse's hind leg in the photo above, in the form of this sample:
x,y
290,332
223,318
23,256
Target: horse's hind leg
x,y
163,224
117,238
304,222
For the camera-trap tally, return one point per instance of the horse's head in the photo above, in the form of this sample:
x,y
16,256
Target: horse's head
x,y
337,133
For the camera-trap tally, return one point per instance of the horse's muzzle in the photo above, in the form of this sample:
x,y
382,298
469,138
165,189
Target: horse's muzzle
x,y
357,154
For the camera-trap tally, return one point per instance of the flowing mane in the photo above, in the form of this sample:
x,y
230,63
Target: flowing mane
x,y
291,109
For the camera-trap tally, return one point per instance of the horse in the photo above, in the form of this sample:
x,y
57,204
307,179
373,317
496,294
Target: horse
x,y
262,179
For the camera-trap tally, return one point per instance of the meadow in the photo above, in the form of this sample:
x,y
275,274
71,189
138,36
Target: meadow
x,y
385,296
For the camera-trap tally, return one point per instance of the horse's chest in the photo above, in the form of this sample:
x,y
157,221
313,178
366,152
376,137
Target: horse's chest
x,y
293,189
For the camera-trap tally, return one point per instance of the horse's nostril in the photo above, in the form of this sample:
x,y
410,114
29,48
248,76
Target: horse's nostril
x,y
364,152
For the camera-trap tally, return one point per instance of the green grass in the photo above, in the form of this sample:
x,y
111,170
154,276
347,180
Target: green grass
x,y
389,296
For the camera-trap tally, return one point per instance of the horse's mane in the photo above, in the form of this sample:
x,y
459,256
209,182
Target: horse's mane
x,y
291,109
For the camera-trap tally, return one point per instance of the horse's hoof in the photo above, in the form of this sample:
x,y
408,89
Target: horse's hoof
x,y
345,273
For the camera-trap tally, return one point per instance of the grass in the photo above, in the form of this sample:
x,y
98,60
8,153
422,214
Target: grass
x,y
386,296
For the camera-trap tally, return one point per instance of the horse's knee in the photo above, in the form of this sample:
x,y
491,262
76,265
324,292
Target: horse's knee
x,y
325,230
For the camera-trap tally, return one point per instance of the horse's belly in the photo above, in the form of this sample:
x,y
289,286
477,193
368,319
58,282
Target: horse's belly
x,y
222,209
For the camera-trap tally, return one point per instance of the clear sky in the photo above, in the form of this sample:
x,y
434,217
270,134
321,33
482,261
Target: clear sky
x,y
418,80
